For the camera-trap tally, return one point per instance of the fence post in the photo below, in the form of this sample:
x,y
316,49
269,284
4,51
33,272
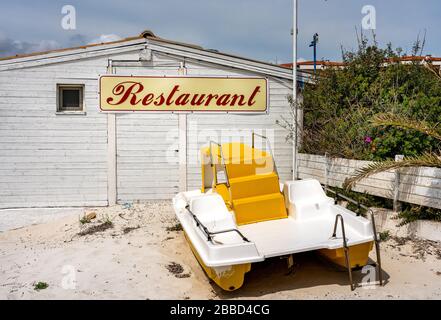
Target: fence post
x,y
397,203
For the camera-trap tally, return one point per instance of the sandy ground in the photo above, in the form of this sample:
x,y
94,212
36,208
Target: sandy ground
x,y
141,263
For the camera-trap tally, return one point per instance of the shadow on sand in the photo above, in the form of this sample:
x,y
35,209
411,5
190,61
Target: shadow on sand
x,y
272,275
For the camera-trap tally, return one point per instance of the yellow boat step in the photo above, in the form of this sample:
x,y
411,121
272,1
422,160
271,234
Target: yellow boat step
x,y
259,208
254,185
255,166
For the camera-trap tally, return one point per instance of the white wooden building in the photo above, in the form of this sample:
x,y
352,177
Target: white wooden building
x,y
52,155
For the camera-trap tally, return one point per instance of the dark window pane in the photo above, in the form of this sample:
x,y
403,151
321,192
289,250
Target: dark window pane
x,y
71,99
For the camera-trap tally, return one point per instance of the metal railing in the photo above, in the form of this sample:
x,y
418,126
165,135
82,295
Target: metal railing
x,y
221,156
338,195
209,234
253,134
213,165
374,227
345,246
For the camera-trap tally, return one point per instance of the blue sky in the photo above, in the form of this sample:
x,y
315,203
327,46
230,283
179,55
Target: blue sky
x,y
257,29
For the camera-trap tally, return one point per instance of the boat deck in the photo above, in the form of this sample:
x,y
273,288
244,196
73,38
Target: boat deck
x,y
288,236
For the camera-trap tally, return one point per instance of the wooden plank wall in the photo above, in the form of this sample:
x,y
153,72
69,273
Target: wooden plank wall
x,y
50,160
147,166
420,186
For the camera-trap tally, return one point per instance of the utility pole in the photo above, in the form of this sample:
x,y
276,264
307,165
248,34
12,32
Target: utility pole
x,y
294,89
313,44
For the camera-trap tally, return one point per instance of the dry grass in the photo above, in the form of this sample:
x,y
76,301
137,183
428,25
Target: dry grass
x,y
97,228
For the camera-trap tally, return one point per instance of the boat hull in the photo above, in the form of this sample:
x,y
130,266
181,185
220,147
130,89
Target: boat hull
x,y
225,249
358,255
229,278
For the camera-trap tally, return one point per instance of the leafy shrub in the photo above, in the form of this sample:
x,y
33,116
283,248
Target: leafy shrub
x,y
385,235
363,198
411,213
40,286
338,107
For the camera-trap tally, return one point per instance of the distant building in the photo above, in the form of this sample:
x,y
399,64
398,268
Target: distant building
x,y
321,64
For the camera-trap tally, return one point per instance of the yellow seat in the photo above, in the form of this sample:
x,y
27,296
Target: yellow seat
x,y
259,208
253,192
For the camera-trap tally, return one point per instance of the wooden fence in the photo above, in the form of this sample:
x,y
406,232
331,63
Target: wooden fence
x,y
421,186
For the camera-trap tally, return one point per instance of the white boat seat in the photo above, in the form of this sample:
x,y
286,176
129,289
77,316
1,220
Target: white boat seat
x,y
212,212
306,199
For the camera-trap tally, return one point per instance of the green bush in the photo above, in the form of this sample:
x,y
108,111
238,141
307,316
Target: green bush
x,y
40,286
338,107
412,212
363,198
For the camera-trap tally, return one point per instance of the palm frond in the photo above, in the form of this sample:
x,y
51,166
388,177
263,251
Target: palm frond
x,y
425,160
390,119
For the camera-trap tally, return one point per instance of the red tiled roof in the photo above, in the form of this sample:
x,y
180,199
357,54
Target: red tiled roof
x,y
311,63
341,64
416,58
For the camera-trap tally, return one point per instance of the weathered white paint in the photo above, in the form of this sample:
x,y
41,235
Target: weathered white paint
x,y
182,141
182,152
424,229
72,55
147,157
111,152
215,58
420,186
111,159
147,147
94,159
51,160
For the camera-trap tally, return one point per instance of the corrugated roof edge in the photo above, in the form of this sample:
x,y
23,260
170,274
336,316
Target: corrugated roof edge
x,y
211,50
18,56
148,36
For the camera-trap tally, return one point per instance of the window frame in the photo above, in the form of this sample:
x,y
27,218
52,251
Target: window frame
x,y
63,86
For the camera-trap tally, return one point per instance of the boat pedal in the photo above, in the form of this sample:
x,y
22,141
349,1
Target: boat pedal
x,y
290,261
291,266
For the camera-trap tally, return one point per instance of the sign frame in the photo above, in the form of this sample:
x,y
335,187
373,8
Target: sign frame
x,y
267,96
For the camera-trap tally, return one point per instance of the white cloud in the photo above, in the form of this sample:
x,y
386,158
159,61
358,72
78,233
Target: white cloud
x,y
9,47
45,45
105,38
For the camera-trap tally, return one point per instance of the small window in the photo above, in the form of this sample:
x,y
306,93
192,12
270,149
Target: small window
x,y
70,98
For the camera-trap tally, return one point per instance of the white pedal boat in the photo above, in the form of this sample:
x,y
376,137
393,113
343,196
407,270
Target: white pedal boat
x,y
226,248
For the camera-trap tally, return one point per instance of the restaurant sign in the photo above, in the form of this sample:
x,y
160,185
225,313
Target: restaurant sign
x,y
193,94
